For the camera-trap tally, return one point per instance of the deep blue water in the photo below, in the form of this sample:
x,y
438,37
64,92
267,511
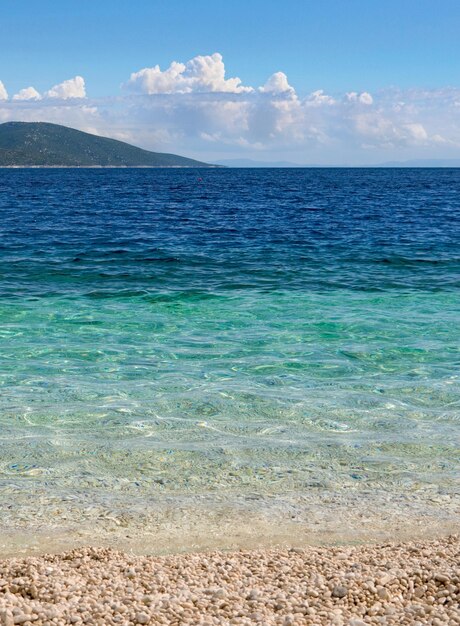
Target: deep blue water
x,y
95,232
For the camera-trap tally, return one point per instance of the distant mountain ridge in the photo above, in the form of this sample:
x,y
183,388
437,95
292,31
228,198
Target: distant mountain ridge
x,y
413,163
41,144
423,163
253,163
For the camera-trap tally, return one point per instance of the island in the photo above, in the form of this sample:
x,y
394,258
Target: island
x,y
40,144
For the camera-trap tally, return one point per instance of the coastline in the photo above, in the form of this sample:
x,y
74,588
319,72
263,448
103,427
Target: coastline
x,y
110,167
185,523
413,583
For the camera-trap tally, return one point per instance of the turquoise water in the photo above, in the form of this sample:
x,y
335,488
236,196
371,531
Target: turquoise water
x,y
270,333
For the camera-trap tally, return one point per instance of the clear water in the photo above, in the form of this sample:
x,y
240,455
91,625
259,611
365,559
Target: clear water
x,y
226,333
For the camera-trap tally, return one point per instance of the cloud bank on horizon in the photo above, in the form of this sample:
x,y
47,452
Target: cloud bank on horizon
x,y
194,107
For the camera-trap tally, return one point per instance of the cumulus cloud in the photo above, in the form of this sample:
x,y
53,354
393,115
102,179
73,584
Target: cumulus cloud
x,y
3,92
72,88
201,74
193,108
29,93
275,118
384,129
277,84
362,98
319,98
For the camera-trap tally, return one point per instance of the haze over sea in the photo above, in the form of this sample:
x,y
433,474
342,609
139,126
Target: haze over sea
x,y
182,347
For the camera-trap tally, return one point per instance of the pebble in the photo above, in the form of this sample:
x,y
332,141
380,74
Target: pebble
x,y
442,578
388,585
383,594
339,591
22,617
386,579
6,617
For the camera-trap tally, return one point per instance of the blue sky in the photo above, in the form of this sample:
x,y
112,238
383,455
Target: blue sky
x,y
405,51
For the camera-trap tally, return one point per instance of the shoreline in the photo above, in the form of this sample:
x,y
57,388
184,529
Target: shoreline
x,y
185,523
413,583
110,167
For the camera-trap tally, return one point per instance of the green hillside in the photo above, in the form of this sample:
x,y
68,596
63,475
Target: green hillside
x,y
42,144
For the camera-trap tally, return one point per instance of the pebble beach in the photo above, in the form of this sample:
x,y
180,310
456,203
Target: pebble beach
x,y
413,583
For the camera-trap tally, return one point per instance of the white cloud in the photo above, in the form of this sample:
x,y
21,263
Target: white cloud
x,y
318,98
67,112
366,98
72,88
417,132
192,108
29,93
3,92
202,74
384,129
362,98
277,84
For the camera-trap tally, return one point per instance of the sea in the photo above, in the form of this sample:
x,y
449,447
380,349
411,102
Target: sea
x,y
200,358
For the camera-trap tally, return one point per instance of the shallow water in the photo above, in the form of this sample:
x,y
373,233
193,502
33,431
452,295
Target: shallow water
x,y
227,334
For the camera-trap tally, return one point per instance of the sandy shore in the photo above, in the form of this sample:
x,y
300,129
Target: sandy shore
x,y
408,583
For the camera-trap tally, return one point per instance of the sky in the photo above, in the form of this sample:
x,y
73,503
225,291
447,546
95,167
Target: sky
x,y
324,82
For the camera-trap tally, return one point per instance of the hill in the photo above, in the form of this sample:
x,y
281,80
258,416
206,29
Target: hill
x,y
24,144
